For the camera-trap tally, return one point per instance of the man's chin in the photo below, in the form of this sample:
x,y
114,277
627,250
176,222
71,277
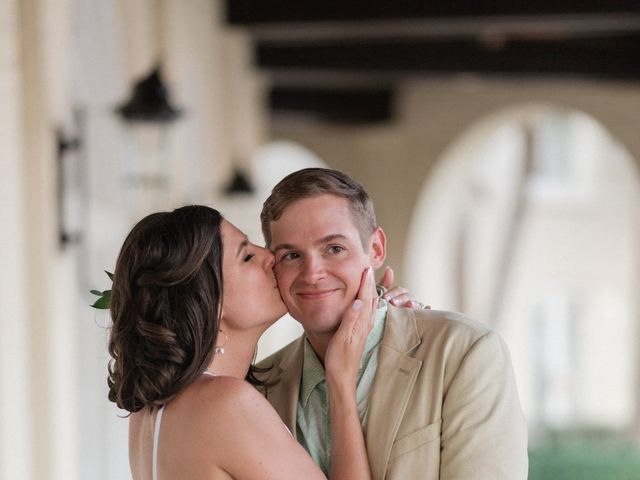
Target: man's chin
x,y
318,322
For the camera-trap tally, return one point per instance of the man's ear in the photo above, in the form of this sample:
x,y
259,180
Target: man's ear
x,y
377,248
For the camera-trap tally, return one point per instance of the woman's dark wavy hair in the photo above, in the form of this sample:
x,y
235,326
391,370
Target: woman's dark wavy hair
x,y
165,306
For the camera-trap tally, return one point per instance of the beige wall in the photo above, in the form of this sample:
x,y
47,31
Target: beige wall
x,y
394,160
15,433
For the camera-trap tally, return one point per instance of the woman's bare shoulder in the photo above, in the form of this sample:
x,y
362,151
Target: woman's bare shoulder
x,y
220,405
224,393
226,421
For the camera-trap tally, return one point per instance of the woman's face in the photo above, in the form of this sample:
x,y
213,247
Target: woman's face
x,y
251,294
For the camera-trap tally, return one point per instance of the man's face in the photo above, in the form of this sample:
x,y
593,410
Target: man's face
x,y
319,260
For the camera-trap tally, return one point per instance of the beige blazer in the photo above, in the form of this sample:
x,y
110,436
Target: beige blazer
x,y
443,405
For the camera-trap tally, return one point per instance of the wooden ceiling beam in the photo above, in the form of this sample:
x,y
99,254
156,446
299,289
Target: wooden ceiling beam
x,y
338,105
615,57
252,12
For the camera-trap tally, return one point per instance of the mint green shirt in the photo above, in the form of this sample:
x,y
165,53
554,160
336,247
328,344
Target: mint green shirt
x,y
313,424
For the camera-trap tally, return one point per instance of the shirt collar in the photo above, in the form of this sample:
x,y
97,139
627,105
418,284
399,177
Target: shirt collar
x,y
312,368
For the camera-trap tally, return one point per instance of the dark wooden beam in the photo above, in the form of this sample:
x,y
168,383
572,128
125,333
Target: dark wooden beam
x,y
338,60
343,105
248,12
615,57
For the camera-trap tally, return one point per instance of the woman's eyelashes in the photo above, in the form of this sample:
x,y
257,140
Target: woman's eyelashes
x,y
248,257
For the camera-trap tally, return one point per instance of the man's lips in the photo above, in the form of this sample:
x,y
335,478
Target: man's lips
x,y
315,294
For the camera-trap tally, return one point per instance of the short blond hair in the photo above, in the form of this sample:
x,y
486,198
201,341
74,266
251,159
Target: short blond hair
x,y
313,182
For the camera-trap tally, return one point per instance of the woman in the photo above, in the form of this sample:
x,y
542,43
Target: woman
x,y
191,296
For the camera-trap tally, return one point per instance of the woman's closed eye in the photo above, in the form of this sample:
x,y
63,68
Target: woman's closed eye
x,y
248,257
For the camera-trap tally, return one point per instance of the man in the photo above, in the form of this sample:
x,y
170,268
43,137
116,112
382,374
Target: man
x,y
436,393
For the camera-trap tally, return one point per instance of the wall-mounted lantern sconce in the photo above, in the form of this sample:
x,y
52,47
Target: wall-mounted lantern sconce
x,y
148,113
239,184
149,101
68,189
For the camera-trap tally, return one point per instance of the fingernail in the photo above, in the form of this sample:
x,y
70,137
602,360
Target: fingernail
x,y
357,304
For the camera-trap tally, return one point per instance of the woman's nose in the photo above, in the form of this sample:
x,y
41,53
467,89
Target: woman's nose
x,y
269,259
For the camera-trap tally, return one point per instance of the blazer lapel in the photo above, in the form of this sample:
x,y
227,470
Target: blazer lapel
x,y
284,394
394,381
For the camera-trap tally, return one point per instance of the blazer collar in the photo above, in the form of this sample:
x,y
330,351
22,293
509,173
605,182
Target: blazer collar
x,y
395,379
401,331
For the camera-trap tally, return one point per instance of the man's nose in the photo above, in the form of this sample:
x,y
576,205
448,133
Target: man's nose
x,y
312,269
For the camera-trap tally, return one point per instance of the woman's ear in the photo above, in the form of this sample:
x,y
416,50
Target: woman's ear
x,y
377,248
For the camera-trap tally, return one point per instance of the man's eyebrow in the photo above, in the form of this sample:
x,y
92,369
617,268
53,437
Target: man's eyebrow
x,y
322,241
283,246
331,238
242,245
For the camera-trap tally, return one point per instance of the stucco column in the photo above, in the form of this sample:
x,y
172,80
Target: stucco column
x,y
15,427
48,279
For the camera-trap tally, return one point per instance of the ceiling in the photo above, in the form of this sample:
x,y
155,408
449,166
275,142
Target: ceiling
x,y
342,61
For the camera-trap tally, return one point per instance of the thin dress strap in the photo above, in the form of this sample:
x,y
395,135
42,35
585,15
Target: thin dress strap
x,y
156,436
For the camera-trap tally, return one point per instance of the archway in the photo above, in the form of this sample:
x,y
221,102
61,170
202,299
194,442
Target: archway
x,y
529,222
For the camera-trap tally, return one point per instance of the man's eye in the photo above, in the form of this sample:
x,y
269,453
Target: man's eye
x,y
336,249
290,256
248,257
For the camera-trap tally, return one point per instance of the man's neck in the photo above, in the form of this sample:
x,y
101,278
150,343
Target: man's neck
x,y
319,342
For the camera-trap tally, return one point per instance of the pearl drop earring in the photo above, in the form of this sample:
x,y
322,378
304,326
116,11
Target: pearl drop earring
x,y
219,350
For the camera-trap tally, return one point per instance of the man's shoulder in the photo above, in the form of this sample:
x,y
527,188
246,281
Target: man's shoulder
x,y
438,326
453,322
